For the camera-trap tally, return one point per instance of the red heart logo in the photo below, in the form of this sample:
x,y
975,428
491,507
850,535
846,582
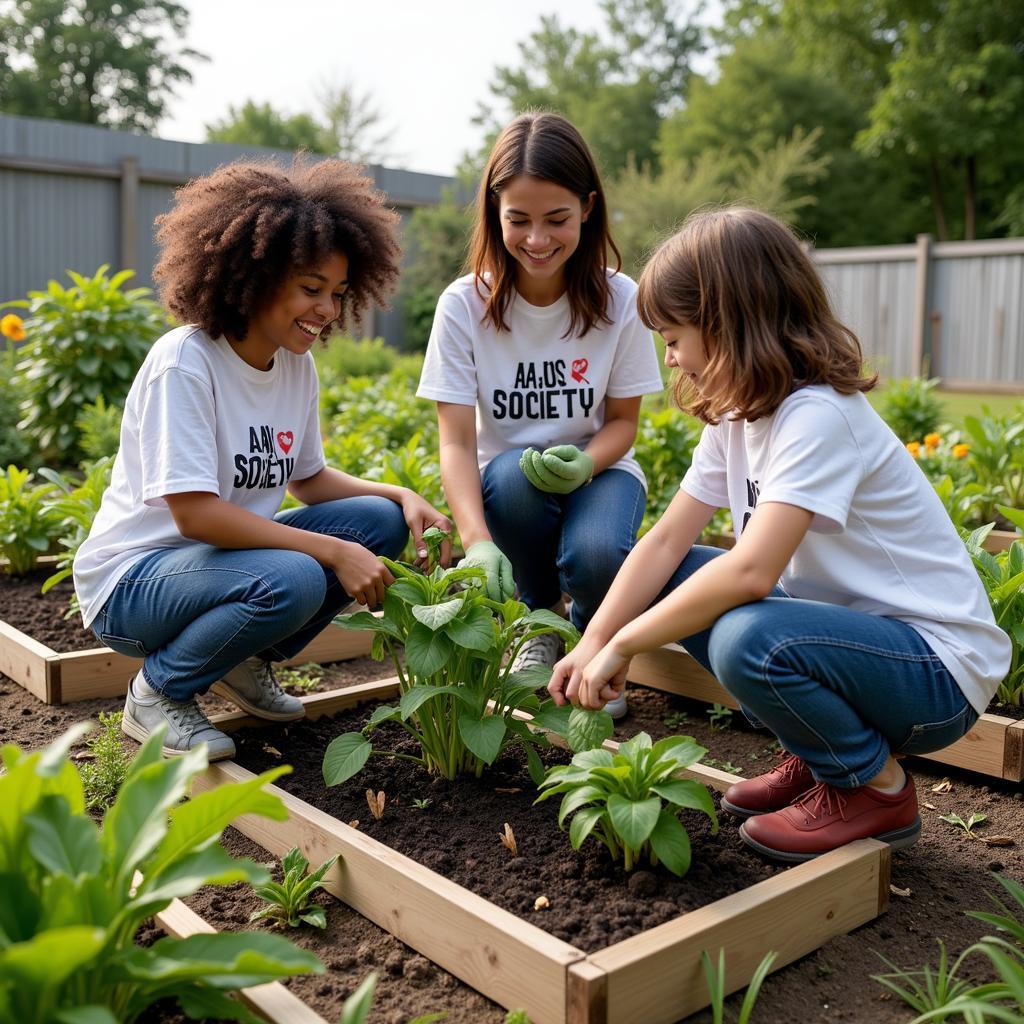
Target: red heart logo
x,y
285,438
579,368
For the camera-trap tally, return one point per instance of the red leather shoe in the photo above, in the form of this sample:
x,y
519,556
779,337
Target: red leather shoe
x,y
827,817
772,791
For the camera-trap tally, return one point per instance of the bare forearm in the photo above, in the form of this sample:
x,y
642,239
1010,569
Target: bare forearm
x,y
611,442
460,477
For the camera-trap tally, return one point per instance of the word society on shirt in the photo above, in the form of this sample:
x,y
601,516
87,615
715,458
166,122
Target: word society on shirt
x,y
546,393
263,467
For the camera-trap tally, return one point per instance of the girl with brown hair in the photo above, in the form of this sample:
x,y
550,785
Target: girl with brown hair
x,y
830,621
538,363
190,565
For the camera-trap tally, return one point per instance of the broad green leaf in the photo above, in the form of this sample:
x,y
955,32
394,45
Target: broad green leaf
x,y
51,957
62,842
670,843
315,916
412,700
384,713
596,758
588,729
635,745
369,621
633,820
199,1002
583,824
576,798
554,718
413,590
534,764
434,616
554,623
345,756
20,909
685,750
356,1008
294,860
688,793
211,865
534,675
475,630
86,1015
482,736
426,652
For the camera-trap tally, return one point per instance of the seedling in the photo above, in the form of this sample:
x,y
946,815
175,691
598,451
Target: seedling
x,y
676,719
304,678
631,800
289,902
104,774
421,804
376,803
967,826
517,1017
721,717
715,980
929,989
508,840
725,766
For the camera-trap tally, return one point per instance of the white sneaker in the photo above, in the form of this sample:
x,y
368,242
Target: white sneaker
x,y
545,649
253,687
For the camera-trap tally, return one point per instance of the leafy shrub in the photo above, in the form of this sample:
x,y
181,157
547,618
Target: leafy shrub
x,y
99,428
289,901
996,457
14,446
26,523
910,406
665,440
456,641
82,342
104,775
73,900
631,800
343,357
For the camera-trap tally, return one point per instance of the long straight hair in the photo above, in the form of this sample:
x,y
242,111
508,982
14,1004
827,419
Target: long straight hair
x,y
549,147
742,279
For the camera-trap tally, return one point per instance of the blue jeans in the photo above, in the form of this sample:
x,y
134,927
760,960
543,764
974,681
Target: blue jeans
x,y
195,612
840,688
573,543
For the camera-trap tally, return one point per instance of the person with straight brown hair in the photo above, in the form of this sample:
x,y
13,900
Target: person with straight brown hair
x,y
830,621
538,363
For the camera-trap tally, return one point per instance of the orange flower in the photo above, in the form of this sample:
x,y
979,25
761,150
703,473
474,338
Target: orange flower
x,y
914,447
931,441
13,327
960,450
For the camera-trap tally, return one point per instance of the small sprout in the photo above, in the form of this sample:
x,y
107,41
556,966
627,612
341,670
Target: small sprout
x,y
288,903
376,803
724,766
721,717
508,840
675,719
967,826
516,1017
303,678
541,903
423,804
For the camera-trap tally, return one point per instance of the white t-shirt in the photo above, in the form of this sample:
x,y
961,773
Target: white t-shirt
x,y
533,385
880,540
198,418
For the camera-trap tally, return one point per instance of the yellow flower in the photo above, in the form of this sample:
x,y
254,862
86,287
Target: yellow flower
x,y
960,450
914,447
932,441
12,326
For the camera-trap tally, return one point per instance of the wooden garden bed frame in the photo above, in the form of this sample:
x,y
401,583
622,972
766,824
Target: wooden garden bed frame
x,y
654,977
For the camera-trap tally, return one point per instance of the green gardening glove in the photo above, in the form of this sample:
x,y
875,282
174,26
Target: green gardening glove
x,y
558,470
487,555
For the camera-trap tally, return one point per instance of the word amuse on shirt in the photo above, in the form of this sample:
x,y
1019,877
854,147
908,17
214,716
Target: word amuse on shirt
x,y
540,393
263,467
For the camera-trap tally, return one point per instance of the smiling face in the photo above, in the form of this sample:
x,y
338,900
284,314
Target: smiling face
x,y
303,306
540,226
684,350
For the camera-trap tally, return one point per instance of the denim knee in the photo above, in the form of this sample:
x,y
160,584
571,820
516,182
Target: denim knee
x,y
393,532
297,585
738,648
505,486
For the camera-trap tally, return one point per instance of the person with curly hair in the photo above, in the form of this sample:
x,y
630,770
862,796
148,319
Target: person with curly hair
x,y
189,563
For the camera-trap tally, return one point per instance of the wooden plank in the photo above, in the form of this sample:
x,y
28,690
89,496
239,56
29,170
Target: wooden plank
x,y
272,1001
507,959
982,750
26,661
1000,540
656,977
588,994
1013,752
672,670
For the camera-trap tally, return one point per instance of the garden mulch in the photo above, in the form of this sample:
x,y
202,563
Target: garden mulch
x,y
934,882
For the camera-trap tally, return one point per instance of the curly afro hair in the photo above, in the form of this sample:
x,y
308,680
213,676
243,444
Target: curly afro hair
x,y
234,236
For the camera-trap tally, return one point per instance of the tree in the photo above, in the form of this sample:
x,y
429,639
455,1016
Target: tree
x,y
260,125
614,89
103,62
353,125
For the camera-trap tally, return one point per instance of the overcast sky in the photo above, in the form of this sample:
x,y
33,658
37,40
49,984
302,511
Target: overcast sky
x,y
425,63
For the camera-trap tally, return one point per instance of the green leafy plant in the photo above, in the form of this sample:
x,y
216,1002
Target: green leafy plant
x,y
421,804
966,826
996,457
517,1017
104,774
911,407
459,697
714,978
27,525
356,1009
631,800
82,342
304,678
76,893
964,502
720,717
99,427
929,989
1003,577
14,446
675,719
289,901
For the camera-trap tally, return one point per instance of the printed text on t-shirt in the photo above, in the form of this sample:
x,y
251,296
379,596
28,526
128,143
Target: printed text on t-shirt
x,y
753,492
542,392
263,467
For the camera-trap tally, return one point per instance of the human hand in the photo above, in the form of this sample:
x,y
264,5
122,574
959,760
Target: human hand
x,y
361,573
420,515
558,470
591,681
485,553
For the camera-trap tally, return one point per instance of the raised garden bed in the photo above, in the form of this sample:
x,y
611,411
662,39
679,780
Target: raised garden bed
x,y
994,747
653,976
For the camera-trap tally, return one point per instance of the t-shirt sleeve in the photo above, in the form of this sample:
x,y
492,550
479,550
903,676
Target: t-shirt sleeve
x,y
310,459
178,437
707,478
449,370
635,366
815,463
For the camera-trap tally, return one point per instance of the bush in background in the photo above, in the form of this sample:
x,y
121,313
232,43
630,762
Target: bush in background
x,y
911,407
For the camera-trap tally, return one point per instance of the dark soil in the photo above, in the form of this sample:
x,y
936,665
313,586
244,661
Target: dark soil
x,y
935,882
41,616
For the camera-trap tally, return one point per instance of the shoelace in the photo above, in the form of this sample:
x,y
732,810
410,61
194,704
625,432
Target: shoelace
x,y
789,766
822,798
187,717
